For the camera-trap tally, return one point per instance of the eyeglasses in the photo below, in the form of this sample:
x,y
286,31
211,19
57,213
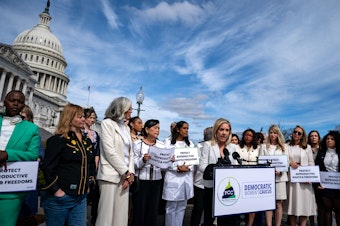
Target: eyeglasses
x,y
297,132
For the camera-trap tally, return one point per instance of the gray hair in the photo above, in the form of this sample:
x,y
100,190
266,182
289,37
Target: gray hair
x,y
208,133
117,108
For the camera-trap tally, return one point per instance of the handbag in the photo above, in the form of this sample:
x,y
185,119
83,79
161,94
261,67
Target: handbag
x,y
209,172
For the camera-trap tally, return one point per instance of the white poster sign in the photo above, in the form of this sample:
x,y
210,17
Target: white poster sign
x,y
19,176
280,162
305,174
243,190
161,157
330,180
187,155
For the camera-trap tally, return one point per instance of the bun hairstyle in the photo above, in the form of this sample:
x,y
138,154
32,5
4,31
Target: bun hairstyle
x,y
132,120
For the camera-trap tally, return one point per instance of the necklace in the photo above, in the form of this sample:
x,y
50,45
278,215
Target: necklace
x,y
149,142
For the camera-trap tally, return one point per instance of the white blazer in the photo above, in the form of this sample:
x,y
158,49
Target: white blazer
x,y
275,150
248,155
210,155
112,165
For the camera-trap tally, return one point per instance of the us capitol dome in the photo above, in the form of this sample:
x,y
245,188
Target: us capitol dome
x,y
35,65
42,51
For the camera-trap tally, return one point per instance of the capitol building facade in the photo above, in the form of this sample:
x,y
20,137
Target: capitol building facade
x,y
35,65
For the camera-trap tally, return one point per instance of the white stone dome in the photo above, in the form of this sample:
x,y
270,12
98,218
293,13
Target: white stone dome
x,y
42,51
40,36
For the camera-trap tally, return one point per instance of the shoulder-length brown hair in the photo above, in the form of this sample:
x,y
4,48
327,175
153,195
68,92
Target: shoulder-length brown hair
x,y
66,117
29,114
303,139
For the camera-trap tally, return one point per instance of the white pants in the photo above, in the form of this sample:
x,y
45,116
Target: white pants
x,y
174,212
113,204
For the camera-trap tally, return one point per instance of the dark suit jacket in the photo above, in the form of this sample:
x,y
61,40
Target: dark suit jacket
x,y
332,193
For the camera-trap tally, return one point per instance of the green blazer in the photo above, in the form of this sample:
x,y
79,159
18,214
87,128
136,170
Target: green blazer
x,y
22,146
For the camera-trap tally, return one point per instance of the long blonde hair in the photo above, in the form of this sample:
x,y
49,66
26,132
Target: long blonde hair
x,y
280,138
66,117
218,123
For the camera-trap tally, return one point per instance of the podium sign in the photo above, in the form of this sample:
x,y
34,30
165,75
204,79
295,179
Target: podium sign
x,y
243,190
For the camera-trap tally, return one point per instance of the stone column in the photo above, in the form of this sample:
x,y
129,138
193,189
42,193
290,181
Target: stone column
x,y
65,88
42,81
30,98
24,87
10,83
38,76
62,88
59,84
54,84
2,83
17,85
48,87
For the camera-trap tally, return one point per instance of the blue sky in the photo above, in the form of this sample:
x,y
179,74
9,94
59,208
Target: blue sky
x,y
253,62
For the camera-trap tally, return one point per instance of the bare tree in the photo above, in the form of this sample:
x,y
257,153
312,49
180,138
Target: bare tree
x,y
337,128
285,132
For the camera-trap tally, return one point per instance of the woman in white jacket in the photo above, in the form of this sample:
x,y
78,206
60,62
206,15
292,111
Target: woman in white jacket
x,y
300,196
219,147
146,199
276,146
116,168
178,182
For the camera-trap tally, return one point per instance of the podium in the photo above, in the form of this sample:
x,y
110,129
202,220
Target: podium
x,y
243,189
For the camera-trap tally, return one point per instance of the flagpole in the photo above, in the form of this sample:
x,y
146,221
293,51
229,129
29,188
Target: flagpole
x,y
88,96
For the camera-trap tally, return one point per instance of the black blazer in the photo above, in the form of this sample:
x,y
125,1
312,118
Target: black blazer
x,y
319,160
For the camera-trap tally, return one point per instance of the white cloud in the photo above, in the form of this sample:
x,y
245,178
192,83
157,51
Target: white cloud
x,y
182,12
110,15
199,61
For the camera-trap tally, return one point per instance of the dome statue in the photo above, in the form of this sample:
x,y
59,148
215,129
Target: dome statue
x,y
42,51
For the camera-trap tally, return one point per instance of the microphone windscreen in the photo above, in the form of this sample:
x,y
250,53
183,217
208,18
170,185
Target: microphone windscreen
x,y
235,155
225,152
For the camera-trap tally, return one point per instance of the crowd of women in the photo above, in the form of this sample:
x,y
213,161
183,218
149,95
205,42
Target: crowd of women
x,y
78,162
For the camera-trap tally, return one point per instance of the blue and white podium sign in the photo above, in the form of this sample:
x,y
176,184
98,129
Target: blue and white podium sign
x,y
243,190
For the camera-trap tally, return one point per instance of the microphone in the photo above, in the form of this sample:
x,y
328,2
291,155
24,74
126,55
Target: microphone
x,y
226,156
236,156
